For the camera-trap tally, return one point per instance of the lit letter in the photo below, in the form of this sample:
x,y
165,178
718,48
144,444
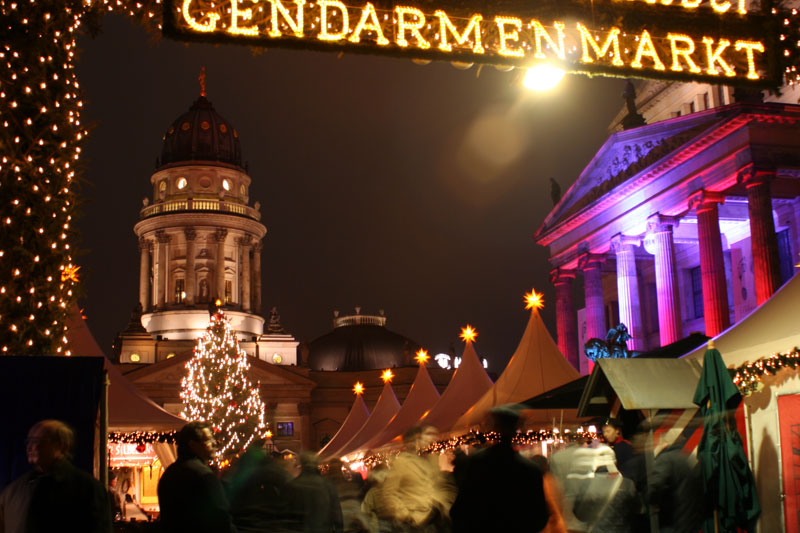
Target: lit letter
x,y
691,4
540,33
369,21
324,35
715,56
474,26
742,7
749,47
647,48
505,36
245,14
720,7
295,25
612,39
413,27
684,52
211,25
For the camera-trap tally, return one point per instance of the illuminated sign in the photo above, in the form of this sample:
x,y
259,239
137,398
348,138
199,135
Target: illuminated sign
x,y
711,40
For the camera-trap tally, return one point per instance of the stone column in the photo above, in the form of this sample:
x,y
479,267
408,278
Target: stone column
x,y
566,320
593,289
144,273
244,246
659,242
712,262
257,276
190,281
304,410
161,282
220,236
763,240
630,304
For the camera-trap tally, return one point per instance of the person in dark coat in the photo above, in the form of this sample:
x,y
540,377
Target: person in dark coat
x,y
676,487
190,495
499,490
313,503
623,450
257,492
55,495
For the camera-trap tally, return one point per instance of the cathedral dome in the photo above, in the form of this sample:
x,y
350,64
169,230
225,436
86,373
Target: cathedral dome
x,y
201,134
360,342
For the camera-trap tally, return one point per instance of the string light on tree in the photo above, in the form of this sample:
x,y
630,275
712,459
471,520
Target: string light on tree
x,y
218,390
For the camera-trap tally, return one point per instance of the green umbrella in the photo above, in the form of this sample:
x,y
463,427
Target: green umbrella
x,y
727,478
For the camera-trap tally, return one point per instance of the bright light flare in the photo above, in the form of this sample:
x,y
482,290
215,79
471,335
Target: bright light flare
x,y
422,356
534,300
542,77
358,388
387,375
468,334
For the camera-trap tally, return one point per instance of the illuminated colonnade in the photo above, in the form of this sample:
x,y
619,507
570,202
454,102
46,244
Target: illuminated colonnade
x,y
679,236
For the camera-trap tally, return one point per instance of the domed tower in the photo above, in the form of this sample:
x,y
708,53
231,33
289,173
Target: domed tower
x,y
199,237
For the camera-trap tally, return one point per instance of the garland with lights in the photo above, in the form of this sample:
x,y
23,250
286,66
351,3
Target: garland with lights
x,y
218,390
747,377
141,437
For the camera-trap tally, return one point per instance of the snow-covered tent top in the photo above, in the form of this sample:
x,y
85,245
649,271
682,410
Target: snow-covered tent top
x,y
536,366
386,407
772,327
352,423
421,397
468,384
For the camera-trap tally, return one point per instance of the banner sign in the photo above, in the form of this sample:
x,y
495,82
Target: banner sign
x,y
716,41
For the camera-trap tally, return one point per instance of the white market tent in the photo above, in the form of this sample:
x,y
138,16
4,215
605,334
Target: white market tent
x,y
384,410
468,384
354,421
422,395
536,367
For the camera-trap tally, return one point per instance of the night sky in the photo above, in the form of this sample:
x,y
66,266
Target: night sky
x,y
384,184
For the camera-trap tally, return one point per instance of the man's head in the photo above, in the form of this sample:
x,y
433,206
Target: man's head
x,y
308,460
612,430
505,420
48,441
195,439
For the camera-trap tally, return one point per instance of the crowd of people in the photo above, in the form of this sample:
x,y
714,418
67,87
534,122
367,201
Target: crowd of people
x,y
585,487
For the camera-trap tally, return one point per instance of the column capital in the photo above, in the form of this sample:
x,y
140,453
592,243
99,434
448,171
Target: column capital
x,y
589,260
753,175
144,245
220,234
190,233
619,240
162,236
244,241
702,199
561,275
257,246
659,223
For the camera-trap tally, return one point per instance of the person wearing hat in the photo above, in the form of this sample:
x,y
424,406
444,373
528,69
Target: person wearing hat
x,y
623,450
499,490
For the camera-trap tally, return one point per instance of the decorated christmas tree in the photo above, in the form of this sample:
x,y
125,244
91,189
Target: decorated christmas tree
x,y
217,390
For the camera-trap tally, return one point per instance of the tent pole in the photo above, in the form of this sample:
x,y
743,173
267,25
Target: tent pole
x,y
103,437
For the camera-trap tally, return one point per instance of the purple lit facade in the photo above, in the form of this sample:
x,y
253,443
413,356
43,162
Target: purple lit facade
x,y
681,226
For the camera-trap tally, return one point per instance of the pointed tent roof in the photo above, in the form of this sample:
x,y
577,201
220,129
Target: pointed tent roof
x,y
352,423
386,407
421,397
468,384
536,367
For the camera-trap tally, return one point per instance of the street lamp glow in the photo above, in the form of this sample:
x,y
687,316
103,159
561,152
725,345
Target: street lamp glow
x,y
542,77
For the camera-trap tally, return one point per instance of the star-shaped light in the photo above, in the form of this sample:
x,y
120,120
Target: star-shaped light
x,y
70,273
387,375
358,388
268,434
422,356
468,334
534,300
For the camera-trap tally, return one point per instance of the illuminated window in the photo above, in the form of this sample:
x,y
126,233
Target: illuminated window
x,y
276,358
170,355
228,291
285,429
135,358
242,189
697,292
226,185
180,291
181,183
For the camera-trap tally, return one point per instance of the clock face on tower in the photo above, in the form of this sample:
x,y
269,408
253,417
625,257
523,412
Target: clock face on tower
x,y
276,358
